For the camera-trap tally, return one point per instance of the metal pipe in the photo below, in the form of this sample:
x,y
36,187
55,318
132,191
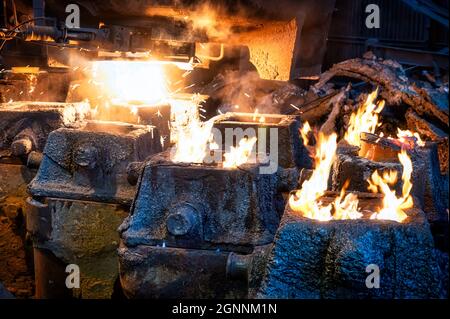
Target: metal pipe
x,y
214,58
238,266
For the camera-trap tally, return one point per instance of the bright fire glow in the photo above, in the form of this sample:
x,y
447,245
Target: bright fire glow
x,y
346,206
183,111
365,120
208,19
192,142
191,137
304,131
306,200
32,80
239,155
393,206
135,82
403,136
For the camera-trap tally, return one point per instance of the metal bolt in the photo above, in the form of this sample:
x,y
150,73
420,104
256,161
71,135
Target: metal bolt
x,y
86,156
182,220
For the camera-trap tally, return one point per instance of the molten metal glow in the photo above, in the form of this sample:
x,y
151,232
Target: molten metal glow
x,y
138,82
393,206
190,135
304,131
365,120
306,200
192,142
241,154
25,70
32,80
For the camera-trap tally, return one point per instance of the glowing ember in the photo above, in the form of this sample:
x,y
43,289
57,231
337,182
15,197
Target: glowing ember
x,y
304,131
365,120
32,80
404,139
306,200
241,154
393,206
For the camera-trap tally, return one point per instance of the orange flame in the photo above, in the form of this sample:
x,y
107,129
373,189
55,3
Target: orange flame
x,y
304,131
403,136
306,200
346,206
191,136
192,142
241,154
365,120
393,206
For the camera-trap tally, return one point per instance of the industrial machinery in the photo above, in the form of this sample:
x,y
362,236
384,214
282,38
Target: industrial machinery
x,y
57,39
25,127
195,149
197,31
79,197
204,230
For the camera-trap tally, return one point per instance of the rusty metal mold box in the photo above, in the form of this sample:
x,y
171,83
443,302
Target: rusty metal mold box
x,y
313,259
191,227
291,152
80,197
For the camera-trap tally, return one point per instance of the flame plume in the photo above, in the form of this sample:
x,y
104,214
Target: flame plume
x,y
393,206
346,206
304,131
365,120
306,199
403,136
241,154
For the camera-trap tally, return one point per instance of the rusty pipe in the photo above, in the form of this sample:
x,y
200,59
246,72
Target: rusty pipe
x,y
238,266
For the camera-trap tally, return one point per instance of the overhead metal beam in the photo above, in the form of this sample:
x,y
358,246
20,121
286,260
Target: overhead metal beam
x,y
431,10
